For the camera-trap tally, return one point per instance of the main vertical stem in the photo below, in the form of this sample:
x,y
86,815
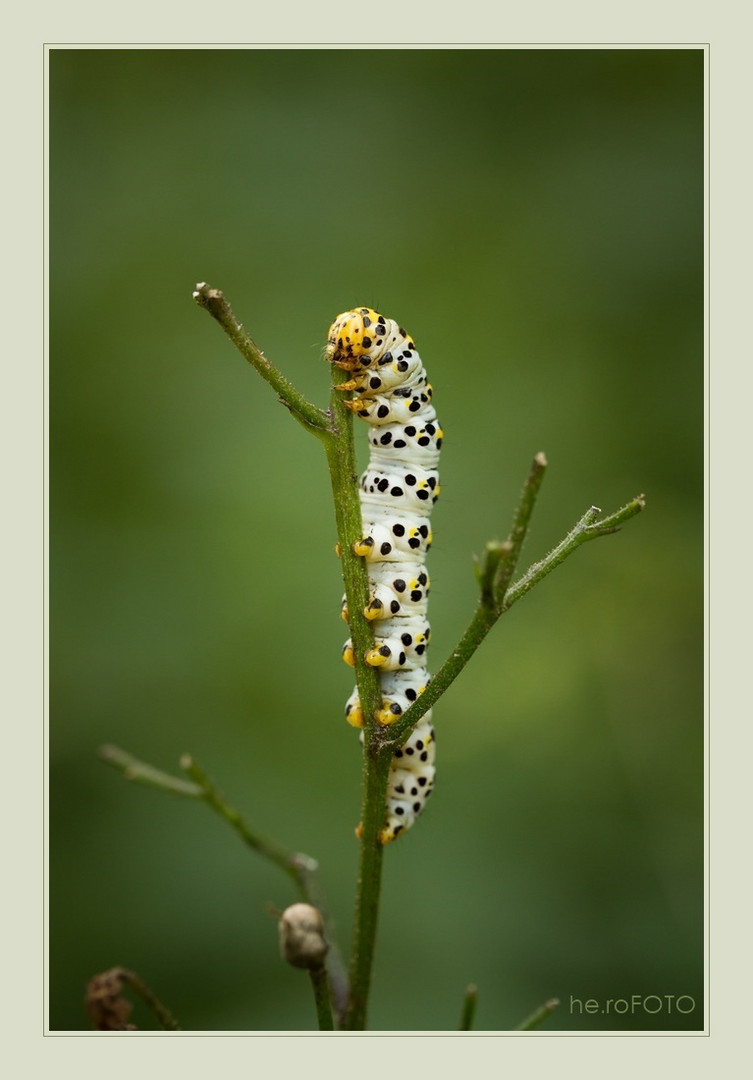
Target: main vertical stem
x,y
376,760
375,772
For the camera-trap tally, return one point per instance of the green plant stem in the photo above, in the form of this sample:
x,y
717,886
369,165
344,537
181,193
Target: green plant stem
x,y
297,865
519,528
213,301
469,1008
538,1016
368,886
341,458
142,773
322,998
375,767
588,528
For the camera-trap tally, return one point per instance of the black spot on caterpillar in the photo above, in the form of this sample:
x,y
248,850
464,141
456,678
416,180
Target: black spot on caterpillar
x,y
398,490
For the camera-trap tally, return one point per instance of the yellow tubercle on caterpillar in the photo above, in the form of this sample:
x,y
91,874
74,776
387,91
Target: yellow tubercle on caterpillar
x,y
377,656
363,547
344,613
384,837
348,655
354,716
387,715
373,609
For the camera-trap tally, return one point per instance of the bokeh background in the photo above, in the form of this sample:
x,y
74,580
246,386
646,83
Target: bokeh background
x,y
535,219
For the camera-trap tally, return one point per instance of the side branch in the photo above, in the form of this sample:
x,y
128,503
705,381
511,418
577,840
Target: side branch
x,y
142,773
588,528
493,575
312,418
301,868
298,866
538,1016
470,1002
498,596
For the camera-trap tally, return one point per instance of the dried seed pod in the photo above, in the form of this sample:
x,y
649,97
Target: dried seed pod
x,y
302,941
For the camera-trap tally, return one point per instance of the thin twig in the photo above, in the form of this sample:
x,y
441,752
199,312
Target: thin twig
x,y
142,773
488,611
588,528
300,867
322,998
520,524
270,849
493,575
312,418
539,1015
469,1008
163,1014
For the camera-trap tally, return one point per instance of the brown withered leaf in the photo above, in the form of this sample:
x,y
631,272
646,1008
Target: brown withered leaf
x,y
108,1009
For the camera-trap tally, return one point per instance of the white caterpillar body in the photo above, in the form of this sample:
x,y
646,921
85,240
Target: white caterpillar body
x,y
398,490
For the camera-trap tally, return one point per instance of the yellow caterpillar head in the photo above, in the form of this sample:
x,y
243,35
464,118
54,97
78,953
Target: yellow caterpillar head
x,y
352,335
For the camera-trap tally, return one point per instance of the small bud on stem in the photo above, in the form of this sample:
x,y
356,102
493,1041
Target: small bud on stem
x,y
302,941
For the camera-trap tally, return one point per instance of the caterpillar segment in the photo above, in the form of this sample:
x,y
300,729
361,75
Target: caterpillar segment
x,y
391,393
390,540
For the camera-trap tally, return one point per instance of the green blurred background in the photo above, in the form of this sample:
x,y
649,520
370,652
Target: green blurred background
x,y
534,218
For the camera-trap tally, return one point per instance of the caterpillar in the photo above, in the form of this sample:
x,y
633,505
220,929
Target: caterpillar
x,y
397,492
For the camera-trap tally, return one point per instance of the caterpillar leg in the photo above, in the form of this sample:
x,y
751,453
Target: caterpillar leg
x,y
388,714
353,711
378,656
388,833
351,384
